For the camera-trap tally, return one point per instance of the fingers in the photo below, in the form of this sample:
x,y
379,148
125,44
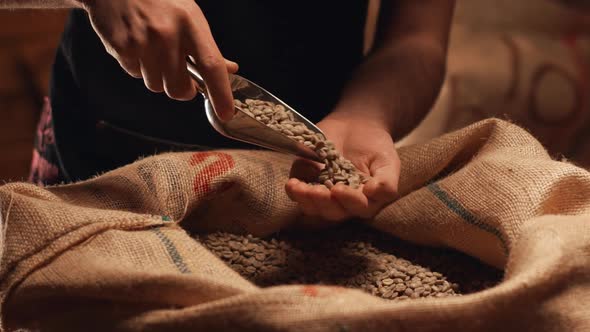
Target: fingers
x,y
151,40
232,67
382,187
315,201
212,68
377,192
353,201
151,73
177,82
132,67
336,204
163,63
175,79
211,65
342,201
325,205
305,170
298,192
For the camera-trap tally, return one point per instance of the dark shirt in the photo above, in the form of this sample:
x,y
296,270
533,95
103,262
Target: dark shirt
x,y
301,51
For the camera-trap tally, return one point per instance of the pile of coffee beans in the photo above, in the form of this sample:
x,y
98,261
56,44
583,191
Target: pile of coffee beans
x,y
337,169
353,256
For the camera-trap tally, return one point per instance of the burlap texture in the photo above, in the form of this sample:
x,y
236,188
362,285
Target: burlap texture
x,y
527,61
113,253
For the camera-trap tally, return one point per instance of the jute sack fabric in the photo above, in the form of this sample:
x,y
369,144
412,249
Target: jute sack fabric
x,y
113,253
527,61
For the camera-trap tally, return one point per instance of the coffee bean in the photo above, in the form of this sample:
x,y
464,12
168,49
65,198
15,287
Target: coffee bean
x,y
354,182
332,155
387,281
400,287
278,118
299,130
346,259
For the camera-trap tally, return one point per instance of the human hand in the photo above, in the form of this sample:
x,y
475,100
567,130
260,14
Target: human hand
x,y
371,149
151,40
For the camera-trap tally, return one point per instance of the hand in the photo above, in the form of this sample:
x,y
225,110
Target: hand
x,y
371,149
151,40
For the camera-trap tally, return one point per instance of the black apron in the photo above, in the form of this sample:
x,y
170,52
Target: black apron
x,y
302,51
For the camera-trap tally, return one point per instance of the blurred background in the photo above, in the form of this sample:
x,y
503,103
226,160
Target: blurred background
x,y
527,61
27,44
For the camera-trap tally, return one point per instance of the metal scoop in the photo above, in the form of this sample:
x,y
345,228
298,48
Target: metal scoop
x,y
245,128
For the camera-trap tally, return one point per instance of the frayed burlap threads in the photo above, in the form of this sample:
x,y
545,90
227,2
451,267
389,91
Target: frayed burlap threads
x,y
3,226
115,253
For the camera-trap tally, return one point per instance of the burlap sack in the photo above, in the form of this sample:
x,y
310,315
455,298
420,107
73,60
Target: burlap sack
x,y
527,61
113,254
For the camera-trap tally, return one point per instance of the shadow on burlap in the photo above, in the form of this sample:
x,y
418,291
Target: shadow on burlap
x,y
113,253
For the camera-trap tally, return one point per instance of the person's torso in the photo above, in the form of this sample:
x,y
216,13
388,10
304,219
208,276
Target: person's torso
x,y
303,52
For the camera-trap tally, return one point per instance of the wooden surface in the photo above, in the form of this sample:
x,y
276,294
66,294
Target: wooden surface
x,y
27,45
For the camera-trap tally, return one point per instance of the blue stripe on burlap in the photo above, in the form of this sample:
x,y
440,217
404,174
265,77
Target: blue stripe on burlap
x,y
462,212
172,251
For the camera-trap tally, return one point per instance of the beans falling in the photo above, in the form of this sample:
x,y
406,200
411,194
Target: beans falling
x,y
337,169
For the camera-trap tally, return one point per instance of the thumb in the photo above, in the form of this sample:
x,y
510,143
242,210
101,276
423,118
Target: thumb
x,y
232,67
382,187
305,170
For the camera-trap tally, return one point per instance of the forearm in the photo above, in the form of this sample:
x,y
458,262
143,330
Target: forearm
x,y
398,82
395,86
20,4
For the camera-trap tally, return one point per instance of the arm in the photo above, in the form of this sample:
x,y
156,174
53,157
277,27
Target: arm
x,y
401,77
388,96
151,40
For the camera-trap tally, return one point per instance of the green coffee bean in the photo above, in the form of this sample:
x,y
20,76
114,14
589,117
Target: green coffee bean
x,y
278,118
